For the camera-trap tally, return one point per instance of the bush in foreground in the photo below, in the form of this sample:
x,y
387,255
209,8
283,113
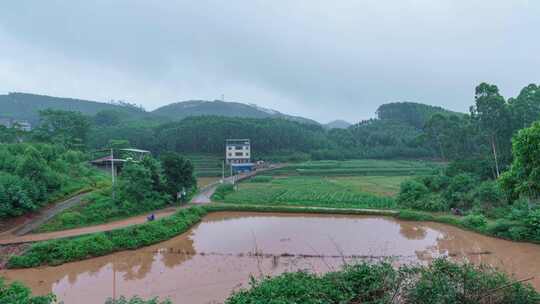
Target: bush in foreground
x,y
442,282
20,294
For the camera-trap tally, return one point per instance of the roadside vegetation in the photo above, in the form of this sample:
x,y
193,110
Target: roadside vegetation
x,y
60,251
142,187
34,175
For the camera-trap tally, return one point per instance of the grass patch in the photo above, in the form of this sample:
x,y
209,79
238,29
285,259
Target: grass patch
x,y
60,251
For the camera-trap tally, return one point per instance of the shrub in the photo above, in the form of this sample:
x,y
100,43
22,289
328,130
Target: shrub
x,y
475,221
441,282
221,191
20,294
431,202
500,228
533,224
411,191
436,183
458,193
518,233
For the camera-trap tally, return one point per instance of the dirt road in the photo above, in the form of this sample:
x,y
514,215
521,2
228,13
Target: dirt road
x,y
6,239
19,235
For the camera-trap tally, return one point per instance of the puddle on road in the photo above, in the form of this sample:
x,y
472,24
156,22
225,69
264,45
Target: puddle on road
x,y
220,254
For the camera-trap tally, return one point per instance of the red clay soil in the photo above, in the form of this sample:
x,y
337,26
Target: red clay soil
x,y
8,250
9,239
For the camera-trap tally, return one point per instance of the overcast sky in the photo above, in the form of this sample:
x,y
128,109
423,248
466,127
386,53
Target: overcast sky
x,y
320,59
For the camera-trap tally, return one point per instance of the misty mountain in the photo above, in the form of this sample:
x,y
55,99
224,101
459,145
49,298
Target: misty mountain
x,y
337,124
27,106
180,110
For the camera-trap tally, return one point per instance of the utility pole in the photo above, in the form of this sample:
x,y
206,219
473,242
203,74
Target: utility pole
x,y
232,176
112,173
222,171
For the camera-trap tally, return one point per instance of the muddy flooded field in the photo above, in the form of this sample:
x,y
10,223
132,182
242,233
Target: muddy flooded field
x,y
220,254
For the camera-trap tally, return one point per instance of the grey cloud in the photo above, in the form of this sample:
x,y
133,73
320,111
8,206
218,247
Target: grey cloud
x,y
321,59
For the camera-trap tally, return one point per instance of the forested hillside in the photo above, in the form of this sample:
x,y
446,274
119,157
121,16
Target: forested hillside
x,y
27,106
411,113
180,110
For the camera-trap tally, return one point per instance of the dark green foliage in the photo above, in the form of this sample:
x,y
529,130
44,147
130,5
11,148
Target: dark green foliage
x,y
136,183
411,113
56,252
487,196
475,221
458,193
8,135
32,175
66,128
109,118
221,191
206,134
476,166
179,174
523,178
381,138
449,283
17,293
411,191
441,282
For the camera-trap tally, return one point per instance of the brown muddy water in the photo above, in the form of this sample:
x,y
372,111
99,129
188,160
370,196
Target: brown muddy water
x,y
220,254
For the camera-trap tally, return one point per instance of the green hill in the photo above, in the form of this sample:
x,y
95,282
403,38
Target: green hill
x,y
180,110
411,113
27,106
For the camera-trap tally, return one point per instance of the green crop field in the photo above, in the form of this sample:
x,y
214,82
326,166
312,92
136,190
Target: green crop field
x,y
364,167
347,184
207,165
307,191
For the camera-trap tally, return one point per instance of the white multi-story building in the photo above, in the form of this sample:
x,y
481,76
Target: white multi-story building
x,y
238,151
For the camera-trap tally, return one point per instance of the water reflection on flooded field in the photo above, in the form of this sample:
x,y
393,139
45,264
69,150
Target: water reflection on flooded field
x,y
220,254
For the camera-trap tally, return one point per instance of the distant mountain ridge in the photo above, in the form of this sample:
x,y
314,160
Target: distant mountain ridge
x,y
337,124
180,110
27,106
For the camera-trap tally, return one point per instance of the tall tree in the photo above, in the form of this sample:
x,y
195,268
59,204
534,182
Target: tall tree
x,y
179,173
492,116
523,178
67,128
